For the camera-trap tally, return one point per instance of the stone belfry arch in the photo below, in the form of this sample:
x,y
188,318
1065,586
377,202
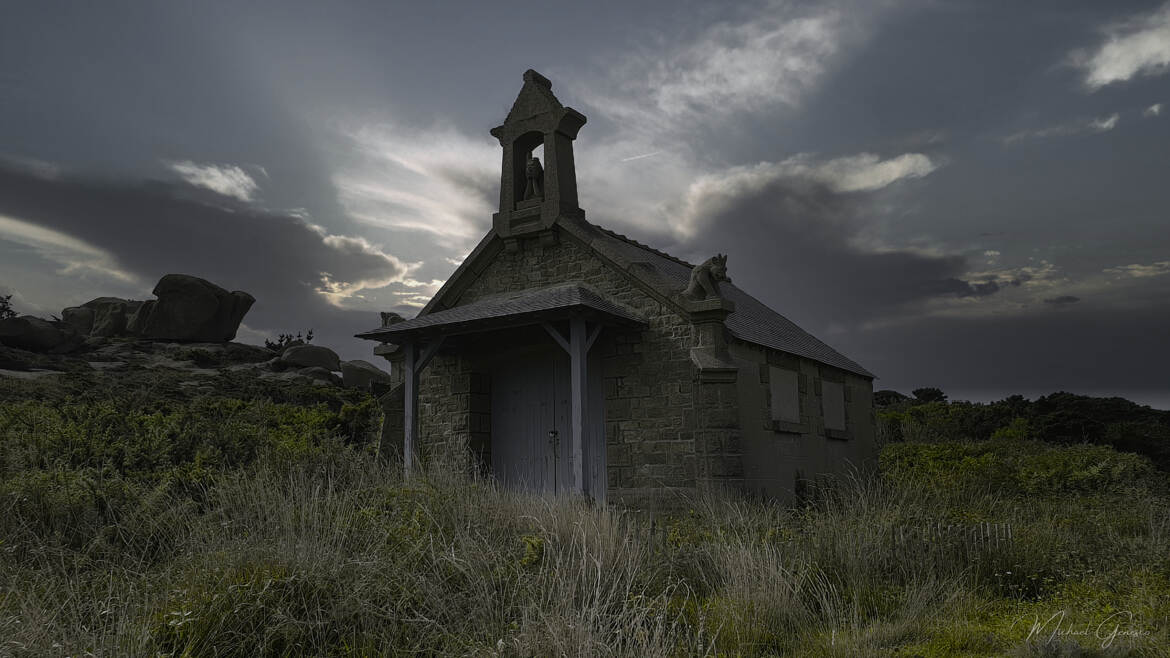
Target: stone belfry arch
x,y
531,200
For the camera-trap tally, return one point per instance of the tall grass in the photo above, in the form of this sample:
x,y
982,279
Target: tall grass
x,y
344,557
293,540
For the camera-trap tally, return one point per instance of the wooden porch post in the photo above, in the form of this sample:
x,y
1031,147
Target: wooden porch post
x,y
578,346
579,385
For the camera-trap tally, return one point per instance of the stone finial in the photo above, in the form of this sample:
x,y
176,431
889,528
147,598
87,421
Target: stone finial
x,y
705,278
390,317
536,78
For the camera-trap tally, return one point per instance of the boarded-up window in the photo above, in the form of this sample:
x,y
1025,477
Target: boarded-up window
x,y
785,395
833,400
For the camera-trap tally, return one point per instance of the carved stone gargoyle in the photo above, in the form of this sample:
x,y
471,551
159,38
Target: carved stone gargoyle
x,y
705,278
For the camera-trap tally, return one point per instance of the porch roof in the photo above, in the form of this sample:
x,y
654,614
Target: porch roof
x,y
510,309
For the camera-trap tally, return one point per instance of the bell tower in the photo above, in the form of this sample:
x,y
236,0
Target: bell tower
x,y
534,194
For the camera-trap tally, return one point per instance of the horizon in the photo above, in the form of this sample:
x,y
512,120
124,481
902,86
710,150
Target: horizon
x,y
952,195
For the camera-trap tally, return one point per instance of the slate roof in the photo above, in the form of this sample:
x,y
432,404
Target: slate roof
x,y
752,321
511,306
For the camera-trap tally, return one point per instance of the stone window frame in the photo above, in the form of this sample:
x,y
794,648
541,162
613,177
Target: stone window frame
x,y
832,375
791,363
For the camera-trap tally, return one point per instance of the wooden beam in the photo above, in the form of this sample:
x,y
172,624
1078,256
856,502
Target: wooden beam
x,y
578,385
593,337
552,331
410,415
428,353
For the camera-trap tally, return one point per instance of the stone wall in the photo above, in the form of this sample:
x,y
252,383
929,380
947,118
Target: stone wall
x,y
782,459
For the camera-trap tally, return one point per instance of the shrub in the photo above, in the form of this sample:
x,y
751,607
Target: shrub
x,y
287,340
1017,466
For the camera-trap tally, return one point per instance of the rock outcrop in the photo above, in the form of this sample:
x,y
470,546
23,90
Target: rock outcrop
x,y
109,315
80,318
188,309
34,334
360,374
192,309
320,374
311,356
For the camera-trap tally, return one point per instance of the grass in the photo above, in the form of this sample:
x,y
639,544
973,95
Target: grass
x,y
257,522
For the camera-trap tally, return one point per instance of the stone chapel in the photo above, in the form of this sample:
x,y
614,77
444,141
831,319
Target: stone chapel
x,y
562,357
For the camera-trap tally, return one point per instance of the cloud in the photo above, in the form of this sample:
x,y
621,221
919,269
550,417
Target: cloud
x,y
1074,127
1062,300
385,270
798,240
228,180
1136,270
864,172
21,305
437,181
74,256
34,166
712,194
1153,110
1138,45
772,57
961,288
301,274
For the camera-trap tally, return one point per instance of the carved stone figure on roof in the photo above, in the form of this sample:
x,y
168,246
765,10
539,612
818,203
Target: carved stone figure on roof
x,y
534,189
706,276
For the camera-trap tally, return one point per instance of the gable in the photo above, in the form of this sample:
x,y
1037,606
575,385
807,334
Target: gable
x,y
501,271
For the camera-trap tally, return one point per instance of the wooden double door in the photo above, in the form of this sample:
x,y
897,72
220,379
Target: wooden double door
x,y
531,435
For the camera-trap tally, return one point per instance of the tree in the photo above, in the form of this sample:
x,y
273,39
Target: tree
x,y
885,398
6,307
929,394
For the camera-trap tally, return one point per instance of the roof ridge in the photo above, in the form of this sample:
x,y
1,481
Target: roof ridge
x,y
631,241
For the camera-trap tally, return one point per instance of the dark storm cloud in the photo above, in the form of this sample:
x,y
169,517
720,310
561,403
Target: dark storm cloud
x,y
1082,349
794,244
154,228
1062,300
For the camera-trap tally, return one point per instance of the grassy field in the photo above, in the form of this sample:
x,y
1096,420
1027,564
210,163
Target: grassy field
x,y
138,519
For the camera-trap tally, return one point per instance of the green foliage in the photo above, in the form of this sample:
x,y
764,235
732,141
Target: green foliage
x,y
1019,429
287,610
929,394
142,519
1061,418
533,550
119,435
1018,466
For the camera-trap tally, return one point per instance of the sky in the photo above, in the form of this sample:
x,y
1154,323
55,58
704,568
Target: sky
x,y
962,194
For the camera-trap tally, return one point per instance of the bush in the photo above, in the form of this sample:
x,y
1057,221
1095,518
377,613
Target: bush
x,y
1018,466
287,340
